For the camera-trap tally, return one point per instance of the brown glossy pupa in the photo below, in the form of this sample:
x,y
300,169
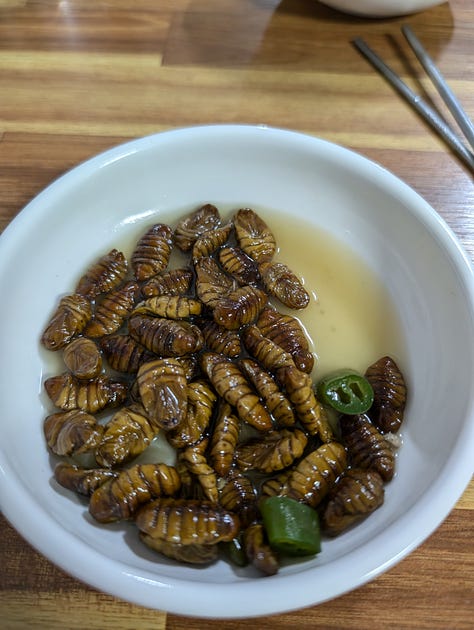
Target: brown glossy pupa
x,y
104,275
356,495
69,319
124,354
163,392
68,393
210,241
313,477
231,384
239,265
83,358
201,400
283,284
70,433
165,337
120,498
273,452
171,282
212,284
238,495
390,395
112,311
196,462
224,439
152,251
270,392
253,235
187,521
287,332
82,480
190,554
367,447
299,389
126,435
240,307
193,225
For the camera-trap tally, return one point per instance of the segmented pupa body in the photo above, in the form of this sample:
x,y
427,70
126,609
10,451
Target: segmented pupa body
x,y
265,351
201,399
152,251
190,554
253,235
299,389
287,332
104,275
165,337
239,265
187,521
212,284
112,311
313,477
219,339
195,459
356,495
283,284
239,495
126,435
120,498
71,433
92,396
390,394
224,440
273,452
83,358
367,447
210,241
124,354
231,384
170,306
258,551
239,307
69,319
82,480
170,282
163,392
272,395
193,225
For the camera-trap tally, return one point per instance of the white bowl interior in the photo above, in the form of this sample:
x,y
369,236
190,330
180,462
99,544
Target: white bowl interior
x,y
108,201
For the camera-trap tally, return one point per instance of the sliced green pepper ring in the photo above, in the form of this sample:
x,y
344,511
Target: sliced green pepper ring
x,y
347,392
292,527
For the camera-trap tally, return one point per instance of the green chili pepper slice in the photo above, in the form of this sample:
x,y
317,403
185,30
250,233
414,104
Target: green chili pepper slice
x,y
347,392
292,527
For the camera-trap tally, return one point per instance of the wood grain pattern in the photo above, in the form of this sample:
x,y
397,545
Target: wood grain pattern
x,y
77,77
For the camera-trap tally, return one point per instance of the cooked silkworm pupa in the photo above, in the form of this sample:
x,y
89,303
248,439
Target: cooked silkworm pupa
x,y
83,358
202,324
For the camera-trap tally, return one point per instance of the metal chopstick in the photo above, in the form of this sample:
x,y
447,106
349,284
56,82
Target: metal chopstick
x,y
439,82
429,114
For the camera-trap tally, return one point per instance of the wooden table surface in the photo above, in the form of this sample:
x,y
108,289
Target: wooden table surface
x,y
79,76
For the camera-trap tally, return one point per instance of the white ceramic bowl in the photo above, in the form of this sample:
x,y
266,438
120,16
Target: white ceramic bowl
x,y
97,205
381,8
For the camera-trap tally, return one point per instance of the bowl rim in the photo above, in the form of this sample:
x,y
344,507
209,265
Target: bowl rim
x,y
176,594
378,9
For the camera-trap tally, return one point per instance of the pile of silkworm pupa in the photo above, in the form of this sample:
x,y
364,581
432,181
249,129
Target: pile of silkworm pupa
x,y
206,356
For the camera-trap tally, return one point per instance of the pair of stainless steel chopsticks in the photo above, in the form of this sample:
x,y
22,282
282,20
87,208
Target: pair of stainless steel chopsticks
x,y
428,113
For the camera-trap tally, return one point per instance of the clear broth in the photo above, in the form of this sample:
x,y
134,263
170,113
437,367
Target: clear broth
x,y
351,320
